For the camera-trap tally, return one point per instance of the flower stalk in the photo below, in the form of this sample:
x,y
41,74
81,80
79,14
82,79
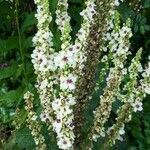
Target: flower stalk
x,y
115,76
32,122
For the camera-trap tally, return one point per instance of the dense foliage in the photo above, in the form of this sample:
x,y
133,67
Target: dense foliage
x,y
17,28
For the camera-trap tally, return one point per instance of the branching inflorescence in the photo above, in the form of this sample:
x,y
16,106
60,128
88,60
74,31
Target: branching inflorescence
x,y
65,78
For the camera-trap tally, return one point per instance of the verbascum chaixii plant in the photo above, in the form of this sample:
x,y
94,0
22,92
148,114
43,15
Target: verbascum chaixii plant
x,y
66,78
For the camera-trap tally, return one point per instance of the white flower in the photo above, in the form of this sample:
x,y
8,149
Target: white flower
x,y
147,89
69,122
116,3
64,111
89,11
56,104
146,72
44,116
46,35
81,34
120,138
43,84
140,68
37,55
137,106
64,143
104,59
71,100
122,131
36,141
34,117
50,63
27,95
63,58
57,125
68,82
95,137
109,130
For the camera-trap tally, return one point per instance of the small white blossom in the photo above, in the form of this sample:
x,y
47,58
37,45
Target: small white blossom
x,y
64,58
64,143
57,125
68,82
34,117
137,106
95,137
147,89
122,131
44,117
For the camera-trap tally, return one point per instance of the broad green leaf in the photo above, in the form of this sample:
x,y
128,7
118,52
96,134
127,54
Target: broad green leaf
x,y
12,97
29,21
3,44
9,44
8,72
22,139
27,43
146,3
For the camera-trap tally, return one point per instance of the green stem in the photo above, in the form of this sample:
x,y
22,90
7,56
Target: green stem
x,y
20,41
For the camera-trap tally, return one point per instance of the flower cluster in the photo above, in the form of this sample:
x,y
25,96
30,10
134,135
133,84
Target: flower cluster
x,y
117,130
146,81
112,29
63,22
132,100
132,72
59,69
58,73
118,44
87,15
43,61
33,124
63,124
119,134
43,39
74,54
70,56
124,116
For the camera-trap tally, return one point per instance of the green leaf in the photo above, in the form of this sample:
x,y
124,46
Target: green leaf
x,y
147,27
22,139
5,9
10,98
138,18
8,72
142,29
136,28
29,21
3,44
146,3
9,44
27,43
12,42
